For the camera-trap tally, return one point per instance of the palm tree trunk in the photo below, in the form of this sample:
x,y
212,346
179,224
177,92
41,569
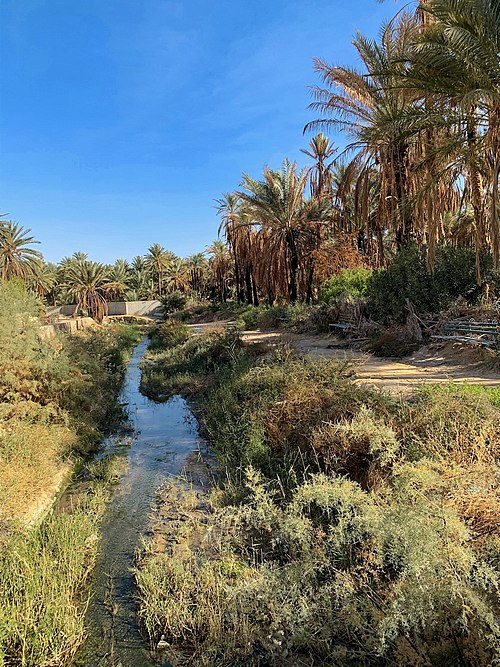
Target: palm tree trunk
x,y
248,285
294,266
254,291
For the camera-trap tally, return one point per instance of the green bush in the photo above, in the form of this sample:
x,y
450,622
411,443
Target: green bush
x,y
174,301
350,528
352,282
57,397
407,278
334,576
169,334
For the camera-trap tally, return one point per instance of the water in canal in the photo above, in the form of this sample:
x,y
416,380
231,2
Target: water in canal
x,y
164,434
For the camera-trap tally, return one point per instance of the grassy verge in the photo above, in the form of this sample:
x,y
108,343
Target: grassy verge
x,y
249,317
43,579
350,528
57,398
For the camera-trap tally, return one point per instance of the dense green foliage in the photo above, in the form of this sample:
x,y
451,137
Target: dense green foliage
x,y
174,301
350,282
408,277
350,528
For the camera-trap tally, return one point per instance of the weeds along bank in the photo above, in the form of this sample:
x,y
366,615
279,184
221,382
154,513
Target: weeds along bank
x,y
57,397
349,529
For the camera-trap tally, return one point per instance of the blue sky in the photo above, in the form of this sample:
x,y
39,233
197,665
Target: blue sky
x,y
122,120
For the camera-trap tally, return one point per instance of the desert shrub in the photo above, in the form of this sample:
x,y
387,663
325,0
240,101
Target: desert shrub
x,y
351,282
350,528
407,277
174,301
43,577
189,366
393,343
266,414
57,397
334,576
451,422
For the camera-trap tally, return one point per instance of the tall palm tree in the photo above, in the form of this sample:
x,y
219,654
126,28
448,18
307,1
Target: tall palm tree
x,y
158,260
239,232
89,287
321,150
455,66
43,281
177,275
197,267
372,110
119,275
220,269
17,258
278,205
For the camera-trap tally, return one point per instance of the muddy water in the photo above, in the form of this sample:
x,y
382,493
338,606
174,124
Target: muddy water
x,y
164,434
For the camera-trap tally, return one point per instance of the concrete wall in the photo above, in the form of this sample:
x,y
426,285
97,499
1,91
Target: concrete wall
x,y
140,308
55,311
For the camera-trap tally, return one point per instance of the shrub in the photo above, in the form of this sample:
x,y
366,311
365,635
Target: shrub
x,y
169,334
334,576
174,301
407,278
352,282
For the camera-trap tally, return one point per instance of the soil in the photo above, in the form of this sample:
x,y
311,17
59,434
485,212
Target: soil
x,y
438,362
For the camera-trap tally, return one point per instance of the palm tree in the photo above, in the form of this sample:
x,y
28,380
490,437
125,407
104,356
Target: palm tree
x,y
277,204
197,266
455,66
177,275
43,281
157,261
119,275
220,268
239,232
17,258
372,110
320,150
89,287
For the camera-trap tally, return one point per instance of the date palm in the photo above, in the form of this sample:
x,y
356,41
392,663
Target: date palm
x,y
17,258
43,281
455,63
238,229
377,116
278,206
220,269
321,150
177,275
119,275
89,287
157,261
197,267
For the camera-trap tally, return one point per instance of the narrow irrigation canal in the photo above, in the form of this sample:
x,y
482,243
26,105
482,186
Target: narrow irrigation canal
x,y
164,434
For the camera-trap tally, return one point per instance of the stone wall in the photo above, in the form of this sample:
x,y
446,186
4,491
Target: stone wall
x,y
68,326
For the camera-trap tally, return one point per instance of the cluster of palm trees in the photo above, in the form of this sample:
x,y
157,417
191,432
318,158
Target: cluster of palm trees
x,y
422,164
91,285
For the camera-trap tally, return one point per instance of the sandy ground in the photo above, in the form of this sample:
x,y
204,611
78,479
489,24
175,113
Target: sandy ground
x,y
439,362
450,362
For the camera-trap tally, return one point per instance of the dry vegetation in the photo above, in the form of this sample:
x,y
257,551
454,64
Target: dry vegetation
x,y
57,397
349,528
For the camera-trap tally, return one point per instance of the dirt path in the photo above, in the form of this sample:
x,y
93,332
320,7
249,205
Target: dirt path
x,y
435,363
439,362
